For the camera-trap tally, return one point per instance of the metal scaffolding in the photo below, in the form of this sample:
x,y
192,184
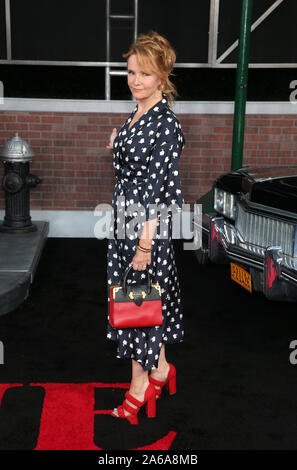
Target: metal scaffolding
x,y
118,68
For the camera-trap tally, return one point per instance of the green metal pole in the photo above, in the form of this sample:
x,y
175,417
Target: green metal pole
x,y
241,83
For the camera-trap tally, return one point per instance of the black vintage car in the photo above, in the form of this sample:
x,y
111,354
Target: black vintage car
x,y
254,228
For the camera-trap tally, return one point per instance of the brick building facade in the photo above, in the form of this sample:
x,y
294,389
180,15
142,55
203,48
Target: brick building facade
x,y
76,168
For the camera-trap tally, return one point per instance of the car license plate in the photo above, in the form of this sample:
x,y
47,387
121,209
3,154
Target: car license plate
x,y
241,276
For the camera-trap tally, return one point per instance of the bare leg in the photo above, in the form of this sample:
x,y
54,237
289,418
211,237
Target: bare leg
x,y
161,373
138,386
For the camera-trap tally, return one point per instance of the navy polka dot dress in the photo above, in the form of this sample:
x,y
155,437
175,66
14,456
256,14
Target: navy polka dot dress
x,y
147,177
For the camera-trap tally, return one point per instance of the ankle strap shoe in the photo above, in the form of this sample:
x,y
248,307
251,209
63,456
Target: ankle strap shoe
x,y
149,400
170,382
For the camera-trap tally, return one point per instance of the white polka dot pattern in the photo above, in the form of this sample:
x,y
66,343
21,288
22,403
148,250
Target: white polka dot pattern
x,y
146,167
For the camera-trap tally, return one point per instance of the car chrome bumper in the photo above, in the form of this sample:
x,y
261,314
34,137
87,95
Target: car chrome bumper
x,y
221,240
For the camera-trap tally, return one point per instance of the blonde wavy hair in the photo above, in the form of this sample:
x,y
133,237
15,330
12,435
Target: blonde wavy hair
x,y
155,54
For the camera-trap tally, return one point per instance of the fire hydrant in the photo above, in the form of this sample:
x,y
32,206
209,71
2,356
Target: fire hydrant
x,y
17,181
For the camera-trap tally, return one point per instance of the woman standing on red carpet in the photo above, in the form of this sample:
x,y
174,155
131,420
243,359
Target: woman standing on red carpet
x,y
146,152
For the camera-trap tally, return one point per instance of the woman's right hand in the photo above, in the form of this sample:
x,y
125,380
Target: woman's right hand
x,y
111,139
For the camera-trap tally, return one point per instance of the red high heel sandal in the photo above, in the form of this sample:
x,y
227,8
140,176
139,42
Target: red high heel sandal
x,y
170,382
149,399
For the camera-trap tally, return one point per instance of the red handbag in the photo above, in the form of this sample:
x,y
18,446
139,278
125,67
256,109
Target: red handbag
x,y
135,305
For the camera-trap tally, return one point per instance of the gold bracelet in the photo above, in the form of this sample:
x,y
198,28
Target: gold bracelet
x,y
146,250
143,251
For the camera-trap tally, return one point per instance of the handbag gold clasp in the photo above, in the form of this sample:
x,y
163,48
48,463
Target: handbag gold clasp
x,y
158,287
131,295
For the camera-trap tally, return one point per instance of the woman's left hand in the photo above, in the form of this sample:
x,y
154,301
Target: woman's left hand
x,y
140,260
111,138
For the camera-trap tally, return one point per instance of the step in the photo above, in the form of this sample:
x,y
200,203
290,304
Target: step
x,y
19,257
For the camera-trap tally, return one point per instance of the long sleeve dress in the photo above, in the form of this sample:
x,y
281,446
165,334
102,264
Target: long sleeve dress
x,y
147,177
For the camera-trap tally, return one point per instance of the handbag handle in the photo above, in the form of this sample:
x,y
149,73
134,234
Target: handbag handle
x,y
149,287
